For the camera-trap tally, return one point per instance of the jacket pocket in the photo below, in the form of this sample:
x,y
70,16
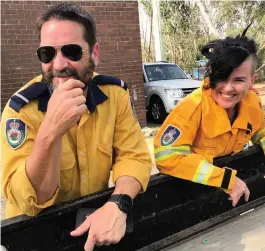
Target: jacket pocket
x,y
210,146
68,172
104,158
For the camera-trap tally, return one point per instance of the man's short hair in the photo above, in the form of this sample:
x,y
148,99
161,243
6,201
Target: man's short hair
x,y
227,54
72,12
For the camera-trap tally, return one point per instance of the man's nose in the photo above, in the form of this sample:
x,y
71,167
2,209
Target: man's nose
x,y
59,62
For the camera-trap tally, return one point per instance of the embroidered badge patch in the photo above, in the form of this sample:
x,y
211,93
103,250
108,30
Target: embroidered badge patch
x,y
16,132
170,135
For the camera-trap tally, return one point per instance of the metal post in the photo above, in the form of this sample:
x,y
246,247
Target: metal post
x,y
157,30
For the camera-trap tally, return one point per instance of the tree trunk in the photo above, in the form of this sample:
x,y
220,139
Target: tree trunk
x,y
207,19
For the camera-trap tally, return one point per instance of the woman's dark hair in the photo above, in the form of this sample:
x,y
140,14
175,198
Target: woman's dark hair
x,y
72,12
227,54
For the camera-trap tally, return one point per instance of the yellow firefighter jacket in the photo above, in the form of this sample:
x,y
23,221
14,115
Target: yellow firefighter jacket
x,y
198,130
86,159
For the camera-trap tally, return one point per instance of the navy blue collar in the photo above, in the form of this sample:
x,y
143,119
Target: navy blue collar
x,y
94,97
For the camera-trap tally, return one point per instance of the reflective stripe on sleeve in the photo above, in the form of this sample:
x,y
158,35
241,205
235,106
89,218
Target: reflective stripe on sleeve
x,y
203,172
165,152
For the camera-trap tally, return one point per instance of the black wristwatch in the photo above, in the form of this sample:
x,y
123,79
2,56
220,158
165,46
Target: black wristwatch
x,y
124,202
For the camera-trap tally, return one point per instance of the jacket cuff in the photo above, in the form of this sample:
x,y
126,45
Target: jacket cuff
x,y
139,171
25,195
228,181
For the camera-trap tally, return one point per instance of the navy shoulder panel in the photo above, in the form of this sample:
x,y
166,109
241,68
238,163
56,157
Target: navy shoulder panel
x,y
109,80
30,93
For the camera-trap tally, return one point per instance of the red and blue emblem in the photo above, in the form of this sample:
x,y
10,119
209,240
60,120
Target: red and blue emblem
x,y
16,131
170,135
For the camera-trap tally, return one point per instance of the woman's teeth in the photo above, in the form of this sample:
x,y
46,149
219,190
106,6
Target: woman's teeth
x,y
227,95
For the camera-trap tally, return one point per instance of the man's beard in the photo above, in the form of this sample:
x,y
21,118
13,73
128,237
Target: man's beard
x,y
84,76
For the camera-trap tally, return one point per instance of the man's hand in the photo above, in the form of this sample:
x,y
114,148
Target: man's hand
x,y
239,189
66,106
106,226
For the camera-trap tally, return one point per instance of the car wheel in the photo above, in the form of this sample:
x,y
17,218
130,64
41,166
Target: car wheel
x,y
157,112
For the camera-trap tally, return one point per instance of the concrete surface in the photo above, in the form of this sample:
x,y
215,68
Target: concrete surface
x,y
244,233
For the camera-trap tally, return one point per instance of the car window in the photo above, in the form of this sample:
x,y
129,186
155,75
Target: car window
x,y
164,72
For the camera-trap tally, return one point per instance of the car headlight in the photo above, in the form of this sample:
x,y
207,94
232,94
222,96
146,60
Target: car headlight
x,y
175,93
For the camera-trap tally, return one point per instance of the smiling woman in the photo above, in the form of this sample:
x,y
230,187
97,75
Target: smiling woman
x,y
218,119
231,73
230,92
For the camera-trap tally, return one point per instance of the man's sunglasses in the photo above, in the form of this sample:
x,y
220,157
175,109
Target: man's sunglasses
x,y
73,52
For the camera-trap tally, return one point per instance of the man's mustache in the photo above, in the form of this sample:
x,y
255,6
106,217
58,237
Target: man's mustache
x,y
67,72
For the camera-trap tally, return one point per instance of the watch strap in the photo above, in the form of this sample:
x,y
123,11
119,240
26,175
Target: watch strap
x,y
114,197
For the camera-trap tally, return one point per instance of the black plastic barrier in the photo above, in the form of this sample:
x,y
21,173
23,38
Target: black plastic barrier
x,y
170,211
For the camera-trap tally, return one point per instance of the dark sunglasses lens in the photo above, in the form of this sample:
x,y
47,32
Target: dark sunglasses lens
x,y
72,51
46,54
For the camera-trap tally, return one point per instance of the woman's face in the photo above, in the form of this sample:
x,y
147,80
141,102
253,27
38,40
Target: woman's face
x,y
231,91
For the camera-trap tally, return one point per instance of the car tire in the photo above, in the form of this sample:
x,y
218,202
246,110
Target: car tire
x,y
156,112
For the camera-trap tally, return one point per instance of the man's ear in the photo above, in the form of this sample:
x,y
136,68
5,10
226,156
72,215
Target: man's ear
x,y
95,53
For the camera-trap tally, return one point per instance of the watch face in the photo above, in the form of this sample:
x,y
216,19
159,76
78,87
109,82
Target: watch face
x,y
126,202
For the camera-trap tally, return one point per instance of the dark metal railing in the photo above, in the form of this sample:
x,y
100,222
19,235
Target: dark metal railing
x,y
170,211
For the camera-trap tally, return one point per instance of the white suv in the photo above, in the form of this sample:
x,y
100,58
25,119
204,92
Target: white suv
x,y
165,84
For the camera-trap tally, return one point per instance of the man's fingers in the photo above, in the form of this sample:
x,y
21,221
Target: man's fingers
x,y
61,81
99,243
107,243
76,92
81,109
90,243
84,227
71,84
106,240
80,100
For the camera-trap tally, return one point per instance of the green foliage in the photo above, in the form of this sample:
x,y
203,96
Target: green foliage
x,y
185,30
147,6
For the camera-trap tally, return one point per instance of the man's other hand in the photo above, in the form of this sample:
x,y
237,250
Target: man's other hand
x,y
105,226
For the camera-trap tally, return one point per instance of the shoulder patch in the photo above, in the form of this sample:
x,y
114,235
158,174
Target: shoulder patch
x,y
16,132
109,80
170,135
